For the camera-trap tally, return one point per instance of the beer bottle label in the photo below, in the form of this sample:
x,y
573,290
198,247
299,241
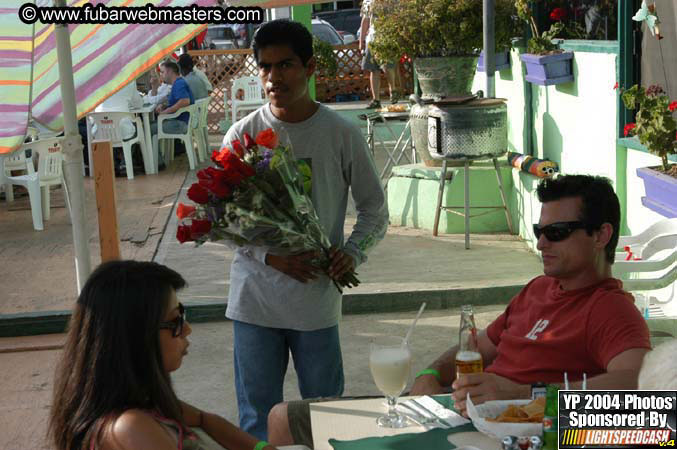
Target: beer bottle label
x,y
550,424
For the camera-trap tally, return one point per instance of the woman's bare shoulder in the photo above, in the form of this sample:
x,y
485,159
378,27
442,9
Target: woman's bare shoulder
x,y
136,429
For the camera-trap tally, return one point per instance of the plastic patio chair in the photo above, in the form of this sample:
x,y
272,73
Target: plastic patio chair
x,y
253,95
30,181
651,272
108,128
187,138
50,171
202,130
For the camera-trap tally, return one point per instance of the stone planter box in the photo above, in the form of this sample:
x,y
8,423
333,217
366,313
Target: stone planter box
x,y
546,70
661,192
502,60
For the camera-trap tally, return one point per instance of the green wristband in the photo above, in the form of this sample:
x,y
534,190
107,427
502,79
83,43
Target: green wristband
x,y
260,445
434,372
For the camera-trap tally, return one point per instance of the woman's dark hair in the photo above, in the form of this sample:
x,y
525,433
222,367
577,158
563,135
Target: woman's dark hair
x,y
600,203
284,32
185,64
111,359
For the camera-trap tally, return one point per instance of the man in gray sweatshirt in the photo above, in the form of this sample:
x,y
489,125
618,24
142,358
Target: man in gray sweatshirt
x,y
278,302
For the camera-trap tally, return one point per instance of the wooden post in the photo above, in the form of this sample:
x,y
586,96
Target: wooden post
x,y
104,186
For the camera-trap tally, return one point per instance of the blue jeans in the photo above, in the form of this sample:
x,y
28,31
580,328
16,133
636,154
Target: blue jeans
x,y
261,356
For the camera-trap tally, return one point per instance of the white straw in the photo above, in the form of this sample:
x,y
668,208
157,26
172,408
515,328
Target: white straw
x,y
566,382
585,381
413,324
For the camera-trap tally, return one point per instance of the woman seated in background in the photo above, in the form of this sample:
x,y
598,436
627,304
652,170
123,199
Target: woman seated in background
x,y
112,388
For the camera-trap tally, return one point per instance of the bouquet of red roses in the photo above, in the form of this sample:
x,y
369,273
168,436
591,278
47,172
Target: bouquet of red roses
x,y
257,194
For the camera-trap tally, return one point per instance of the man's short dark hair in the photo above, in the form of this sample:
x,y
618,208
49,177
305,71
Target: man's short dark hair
x,y
284,32
171,65
185,64
600,203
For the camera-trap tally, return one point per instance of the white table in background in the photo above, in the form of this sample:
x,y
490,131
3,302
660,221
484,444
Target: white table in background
x,y
355,419
146,110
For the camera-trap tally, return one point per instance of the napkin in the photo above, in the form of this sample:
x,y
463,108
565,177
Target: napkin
x,y
453,418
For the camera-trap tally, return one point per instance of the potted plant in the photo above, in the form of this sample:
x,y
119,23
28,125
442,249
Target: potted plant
x,y
546,64
656,129
442,36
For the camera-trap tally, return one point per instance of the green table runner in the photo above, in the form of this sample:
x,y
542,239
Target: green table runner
x,y
429,440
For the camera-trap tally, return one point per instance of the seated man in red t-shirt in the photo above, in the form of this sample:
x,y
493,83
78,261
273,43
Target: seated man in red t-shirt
x,y
576,318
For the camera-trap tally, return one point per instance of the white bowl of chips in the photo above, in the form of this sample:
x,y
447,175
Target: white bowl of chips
x,y
500,418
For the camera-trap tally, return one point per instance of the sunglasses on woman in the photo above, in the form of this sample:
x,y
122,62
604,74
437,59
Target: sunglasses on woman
x,y
558,231
176,324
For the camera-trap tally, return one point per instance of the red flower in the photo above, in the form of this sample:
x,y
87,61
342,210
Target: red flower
x,y
267,138
237,148
558,14
198,194
183,234
215,180
235,167
184,211
248,141
672,106
200,227
616,85
628,128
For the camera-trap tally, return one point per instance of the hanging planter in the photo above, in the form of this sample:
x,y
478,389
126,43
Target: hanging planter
x,y
661,192
502,61
546,70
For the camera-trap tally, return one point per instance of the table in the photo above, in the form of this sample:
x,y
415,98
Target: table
x,y
145,112
394,156
355,419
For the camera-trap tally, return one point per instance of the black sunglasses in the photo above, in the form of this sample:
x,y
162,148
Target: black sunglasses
x,y
176,324
558,231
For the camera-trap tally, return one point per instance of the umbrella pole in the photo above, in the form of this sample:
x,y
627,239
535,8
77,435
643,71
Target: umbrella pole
x,y
72,148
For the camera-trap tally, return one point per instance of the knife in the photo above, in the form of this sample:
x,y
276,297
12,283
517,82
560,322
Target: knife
x,y
437,418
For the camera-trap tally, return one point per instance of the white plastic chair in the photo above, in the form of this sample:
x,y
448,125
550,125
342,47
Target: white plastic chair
x,y
50,171
14,162
187,138
108,128
30,181
201,130
254,95
652,278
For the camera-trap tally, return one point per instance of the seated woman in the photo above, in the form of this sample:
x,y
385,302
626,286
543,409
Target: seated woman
x,y
112,388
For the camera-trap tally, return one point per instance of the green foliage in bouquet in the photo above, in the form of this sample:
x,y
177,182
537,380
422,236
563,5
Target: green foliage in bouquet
x,y
325,58
425,28
654,124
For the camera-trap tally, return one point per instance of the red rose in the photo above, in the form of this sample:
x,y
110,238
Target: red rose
x,y
215,180
248,141
198,194
183,234
628,128
218,155
267,138
238,148
616,85
236,169
184,211
558,14
200,227
672,106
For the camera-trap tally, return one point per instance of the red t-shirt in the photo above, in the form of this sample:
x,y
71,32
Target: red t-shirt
x,y
546,331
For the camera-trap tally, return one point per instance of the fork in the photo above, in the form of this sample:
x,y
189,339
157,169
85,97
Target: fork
x,y
416,416
437,418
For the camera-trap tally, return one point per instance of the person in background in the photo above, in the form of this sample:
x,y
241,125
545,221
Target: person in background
x,y
280,303
197,85
159,90
112,388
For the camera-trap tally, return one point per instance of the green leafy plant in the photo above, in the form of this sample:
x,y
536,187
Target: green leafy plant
x,y
425,28
325,58
654,124
539,43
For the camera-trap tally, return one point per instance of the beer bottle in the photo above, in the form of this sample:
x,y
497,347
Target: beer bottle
x,y
550,418
468,357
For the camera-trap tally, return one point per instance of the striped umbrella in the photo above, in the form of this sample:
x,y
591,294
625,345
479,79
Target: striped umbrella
x,y
105,58
53,74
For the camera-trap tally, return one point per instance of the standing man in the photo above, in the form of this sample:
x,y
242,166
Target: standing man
x,y
280,302
369,64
